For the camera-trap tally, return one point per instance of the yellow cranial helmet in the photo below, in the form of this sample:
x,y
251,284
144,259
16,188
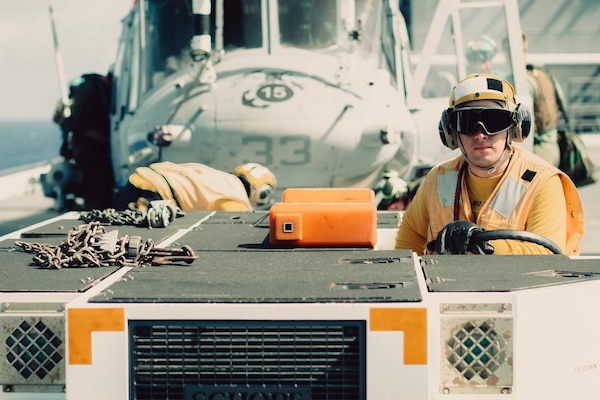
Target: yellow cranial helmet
x,y
482,86
259,181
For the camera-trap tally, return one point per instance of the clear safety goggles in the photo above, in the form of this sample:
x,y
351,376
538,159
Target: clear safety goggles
x,y
492,120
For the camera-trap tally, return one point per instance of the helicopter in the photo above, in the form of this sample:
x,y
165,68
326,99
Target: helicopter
x,y
324,93
313,90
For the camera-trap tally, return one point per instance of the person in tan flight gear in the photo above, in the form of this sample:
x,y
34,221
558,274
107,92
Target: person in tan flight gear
x,y
548,98
480,53
194,186
492,184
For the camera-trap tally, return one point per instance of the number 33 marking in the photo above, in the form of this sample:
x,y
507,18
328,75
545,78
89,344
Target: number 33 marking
x,y
290,150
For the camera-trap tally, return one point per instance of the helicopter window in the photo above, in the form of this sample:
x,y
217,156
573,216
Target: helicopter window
x,y
169,30
309,24
242,24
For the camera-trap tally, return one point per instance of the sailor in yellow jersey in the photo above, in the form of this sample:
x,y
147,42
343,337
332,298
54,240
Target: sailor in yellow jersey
x,y
493,184
193,186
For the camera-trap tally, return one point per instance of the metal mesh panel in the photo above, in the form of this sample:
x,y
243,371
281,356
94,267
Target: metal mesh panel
x,y
33,350
326,357
477,350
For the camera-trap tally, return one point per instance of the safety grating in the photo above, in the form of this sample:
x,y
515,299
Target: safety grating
x,y
33,350
477,350
477,346
327,359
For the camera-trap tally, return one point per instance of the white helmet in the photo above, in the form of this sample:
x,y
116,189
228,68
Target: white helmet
x,y
481,50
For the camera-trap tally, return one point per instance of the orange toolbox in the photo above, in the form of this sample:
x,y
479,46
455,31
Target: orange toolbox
x,y
307,195
323,224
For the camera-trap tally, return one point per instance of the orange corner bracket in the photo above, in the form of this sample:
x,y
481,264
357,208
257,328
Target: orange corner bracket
x,y
412,321
82,322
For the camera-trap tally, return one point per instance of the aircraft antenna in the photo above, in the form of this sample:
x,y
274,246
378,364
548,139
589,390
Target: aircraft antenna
x,y
60,69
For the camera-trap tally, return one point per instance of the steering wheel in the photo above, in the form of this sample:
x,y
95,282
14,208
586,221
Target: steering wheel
x,y
509,234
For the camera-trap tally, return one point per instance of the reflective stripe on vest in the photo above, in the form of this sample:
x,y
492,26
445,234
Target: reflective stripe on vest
x,y
447,188
508,196
504,202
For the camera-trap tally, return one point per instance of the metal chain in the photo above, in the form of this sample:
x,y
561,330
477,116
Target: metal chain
x,y
89,245
159,215
114,217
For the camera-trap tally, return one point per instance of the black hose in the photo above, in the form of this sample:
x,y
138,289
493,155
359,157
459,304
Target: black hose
x,y
511,234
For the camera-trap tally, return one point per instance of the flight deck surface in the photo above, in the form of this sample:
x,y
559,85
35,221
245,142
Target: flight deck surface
x,y
237,264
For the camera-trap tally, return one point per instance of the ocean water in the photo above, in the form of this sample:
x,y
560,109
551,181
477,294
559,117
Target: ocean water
x,y
26,142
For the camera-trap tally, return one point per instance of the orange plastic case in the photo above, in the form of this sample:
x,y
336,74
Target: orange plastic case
x,y
322,195
315,224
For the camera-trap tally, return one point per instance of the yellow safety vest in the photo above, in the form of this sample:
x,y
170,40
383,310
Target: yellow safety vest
x,y
510,202
193,186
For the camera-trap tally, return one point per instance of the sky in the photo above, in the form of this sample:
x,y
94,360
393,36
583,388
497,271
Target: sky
x,y
87,31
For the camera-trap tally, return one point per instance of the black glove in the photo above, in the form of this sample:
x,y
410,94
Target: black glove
x,y
455,238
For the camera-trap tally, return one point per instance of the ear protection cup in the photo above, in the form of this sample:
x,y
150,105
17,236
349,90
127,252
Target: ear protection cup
x,y
522,124
264,194
448,136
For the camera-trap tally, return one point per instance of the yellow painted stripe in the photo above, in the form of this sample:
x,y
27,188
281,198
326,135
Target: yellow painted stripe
x,y
84,321
411,321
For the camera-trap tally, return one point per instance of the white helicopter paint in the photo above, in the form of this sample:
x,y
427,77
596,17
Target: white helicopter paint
x,y
320,109
325,93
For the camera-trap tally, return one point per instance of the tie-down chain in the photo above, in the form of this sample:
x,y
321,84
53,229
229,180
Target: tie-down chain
x,y
155,214
89,245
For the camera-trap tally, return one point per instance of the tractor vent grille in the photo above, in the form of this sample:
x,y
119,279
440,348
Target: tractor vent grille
x,y
34,351
326,358
476,350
